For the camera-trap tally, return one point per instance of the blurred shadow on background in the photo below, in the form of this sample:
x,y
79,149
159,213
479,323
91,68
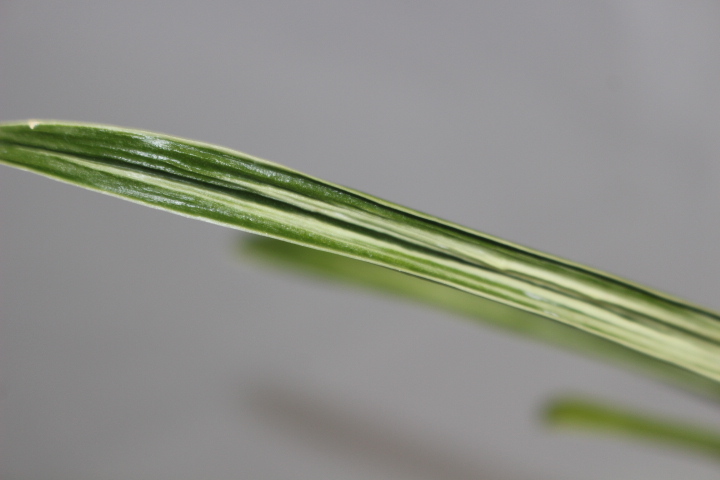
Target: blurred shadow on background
x,y
336,268
339,430
379,443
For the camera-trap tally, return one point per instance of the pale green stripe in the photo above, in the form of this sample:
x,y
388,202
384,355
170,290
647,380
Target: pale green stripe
x,y
237,190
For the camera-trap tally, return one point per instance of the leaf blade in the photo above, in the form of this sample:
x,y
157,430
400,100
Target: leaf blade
x,y
241,191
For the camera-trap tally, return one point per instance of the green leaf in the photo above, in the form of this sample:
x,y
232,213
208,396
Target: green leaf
x,y
595,417
237,190
337,269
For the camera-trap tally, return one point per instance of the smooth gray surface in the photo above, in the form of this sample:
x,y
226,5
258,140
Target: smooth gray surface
x,y
135,345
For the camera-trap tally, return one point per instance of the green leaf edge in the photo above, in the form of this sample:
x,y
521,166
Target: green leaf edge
x,y
237,190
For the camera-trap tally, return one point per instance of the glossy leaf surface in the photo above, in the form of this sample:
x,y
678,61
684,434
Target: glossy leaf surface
x,y
241,191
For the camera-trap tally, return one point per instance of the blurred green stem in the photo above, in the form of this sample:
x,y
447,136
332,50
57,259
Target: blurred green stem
x,y
331,267
595,417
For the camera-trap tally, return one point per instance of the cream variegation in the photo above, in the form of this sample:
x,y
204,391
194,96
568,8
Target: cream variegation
x,y
245,192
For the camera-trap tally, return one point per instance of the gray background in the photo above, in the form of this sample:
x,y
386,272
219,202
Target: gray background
x,y
134,344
